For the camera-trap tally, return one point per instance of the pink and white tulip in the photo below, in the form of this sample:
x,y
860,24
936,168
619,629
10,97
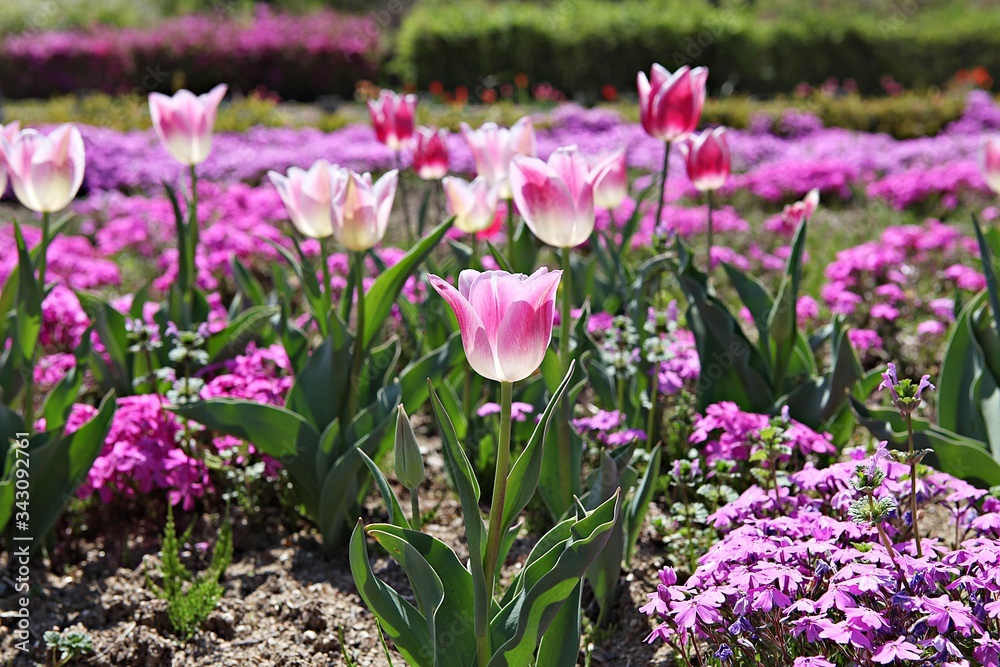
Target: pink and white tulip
x,y
989,162
46,171
556,198
474,204
794,213
8,133
185,122
361,209
494,147
707,159
393,118
610,181
670,105
505,319
430,154
308,196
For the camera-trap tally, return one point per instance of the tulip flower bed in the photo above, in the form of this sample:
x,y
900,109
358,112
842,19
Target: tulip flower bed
x,y
494,397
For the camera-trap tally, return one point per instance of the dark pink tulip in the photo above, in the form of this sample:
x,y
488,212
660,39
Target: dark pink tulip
x,y
670,105
505,319
185,122
393,118
46,171
706,157
989,161
430,154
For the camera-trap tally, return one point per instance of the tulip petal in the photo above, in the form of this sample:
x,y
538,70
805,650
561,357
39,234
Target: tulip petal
x,y
522,340
474,337
543,200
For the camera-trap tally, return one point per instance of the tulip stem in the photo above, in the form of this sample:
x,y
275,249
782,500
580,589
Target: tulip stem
x,y
407,221
359,335
510,233
415,508
193,239
663,193
474,257
711,235
565,453
327,294
496,530
43,254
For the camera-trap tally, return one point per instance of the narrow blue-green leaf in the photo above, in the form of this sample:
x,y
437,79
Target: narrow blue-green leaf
x,y
400,620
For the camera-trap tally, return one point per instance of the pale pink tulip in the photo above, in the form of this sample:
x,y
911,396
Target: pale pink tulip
x,y
8,133
989,162
494,147
46,171
556,198
505,319
393,118
430,154
670,105
308,196
707,159
610,181
185,122
474,204
361,209
794,213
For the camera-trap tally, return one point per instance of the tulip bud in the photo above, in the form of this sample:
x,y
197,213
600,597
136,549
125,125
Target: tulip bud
x,y
707,159
670,105
185,123
989,160
393,117
408,461
46,171
430,154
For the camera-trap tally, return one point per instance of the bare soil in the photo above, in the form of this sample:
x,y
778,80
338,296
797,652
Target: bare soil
x,y
285,604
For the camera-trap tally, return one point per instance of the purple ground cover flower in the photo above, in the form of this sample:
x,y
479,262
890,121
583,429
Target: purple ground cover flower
x,y
793,581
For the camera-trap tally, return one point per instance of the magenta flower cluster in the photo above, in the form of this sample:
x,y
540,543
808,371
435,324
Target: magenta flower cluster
x,y
794,581
298,57
727,433
898,291
144,449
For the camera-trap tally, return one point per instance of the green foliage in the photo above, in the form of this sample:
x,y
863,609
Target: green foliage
x,y
779,368
540,607
323,447
190,599
966,439
549,41
68,645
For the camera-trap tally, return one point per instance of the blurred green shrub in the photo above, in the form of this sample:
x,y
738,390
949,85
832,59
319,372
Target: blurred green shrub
x,y
581,45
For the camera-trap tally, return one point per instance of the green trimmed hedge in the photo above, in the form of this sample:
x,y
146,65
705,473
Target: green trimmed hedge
x,y
581,45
